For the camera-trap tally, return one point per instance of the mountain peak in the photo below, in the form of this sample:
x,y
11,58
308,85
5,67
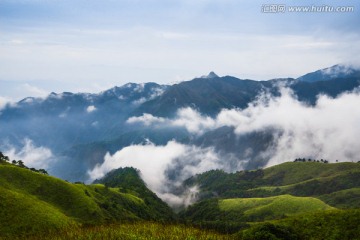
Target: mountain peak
x,y
210,75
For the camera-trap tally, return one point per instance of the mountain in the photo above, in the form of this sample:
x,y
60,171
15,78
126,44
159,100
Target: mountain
x,y
334,72
74,118
208,95
308,92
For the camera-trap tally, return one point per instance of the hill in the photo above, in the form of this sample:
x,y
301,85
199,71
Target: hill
x,y
37,206
128,180
252,209
32,202
295,178
331,224
283,194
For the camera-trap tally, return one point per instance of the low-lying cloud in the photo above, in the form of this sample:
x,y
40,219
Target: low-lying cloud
x,y
163,168
329,130
90,109
31,155
188,118
146,119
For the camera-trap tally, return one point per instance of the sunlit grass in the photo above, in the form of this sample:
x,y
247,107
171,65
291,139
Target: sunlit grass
x,y
272,207
139,231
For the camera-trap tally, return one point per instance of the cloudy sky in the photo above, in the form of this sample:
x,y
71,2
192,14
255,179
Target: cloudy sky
x,y
92,45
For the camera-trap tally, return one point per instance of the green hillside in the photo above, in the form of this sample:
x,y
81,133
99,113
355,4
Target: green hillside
x,y
32,201
348,198
229,202
242,210
332,224
260,209
133,231
299,200
21,213
295,178
128,180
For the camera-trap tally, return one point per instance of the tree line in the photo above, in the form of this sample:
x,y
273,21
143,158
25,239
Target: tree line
x,y
20,163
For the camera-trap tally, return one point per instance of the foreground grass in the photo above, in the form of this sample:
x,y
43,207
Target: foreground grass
x,y
139,231
329,225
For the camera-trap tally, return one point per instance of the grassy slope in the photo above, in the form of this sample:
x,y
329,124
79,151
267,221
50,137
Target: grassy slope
x,y
332,224
32,202
349,198
139,231
260,209
295,178
51,203
252,209
269,194
128,180
295,172
22,213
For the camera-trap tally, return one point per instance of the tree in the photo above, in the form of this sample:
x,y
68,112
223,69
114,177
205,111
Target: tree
x,y
3,157
43,171
21,163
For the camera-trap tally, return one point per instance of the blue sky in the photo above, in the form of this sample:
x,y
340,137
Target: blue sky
x,y
92,45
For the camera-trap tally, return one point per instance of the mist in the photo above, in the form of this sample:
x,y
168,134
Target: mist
x,y
163,168
327,130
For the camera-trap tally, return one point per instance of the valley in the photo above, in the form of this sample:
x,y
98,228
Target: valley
x,y
210,158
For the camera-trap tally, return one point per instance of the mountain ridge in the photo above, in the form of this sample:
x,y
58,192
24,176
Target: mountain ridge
x,y
87,126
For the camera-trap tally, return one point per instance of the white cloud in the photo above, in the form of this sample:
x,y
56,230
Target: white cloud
x,y
328,130
90,109
146,119
163,168
139,101
31,155
188,118
193,121
156,92
139,88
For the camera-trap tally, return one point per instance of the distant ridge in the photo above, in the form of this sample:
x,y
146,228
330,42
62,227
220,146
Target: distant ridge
x,y
336,71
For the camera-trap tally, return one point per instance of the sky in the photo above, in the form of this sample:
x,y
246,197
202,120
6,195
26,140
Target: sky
x,y
93,45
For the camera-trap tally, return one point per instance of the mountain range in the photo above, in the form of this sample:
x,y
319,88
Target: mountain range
x,y
210,158
80,128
